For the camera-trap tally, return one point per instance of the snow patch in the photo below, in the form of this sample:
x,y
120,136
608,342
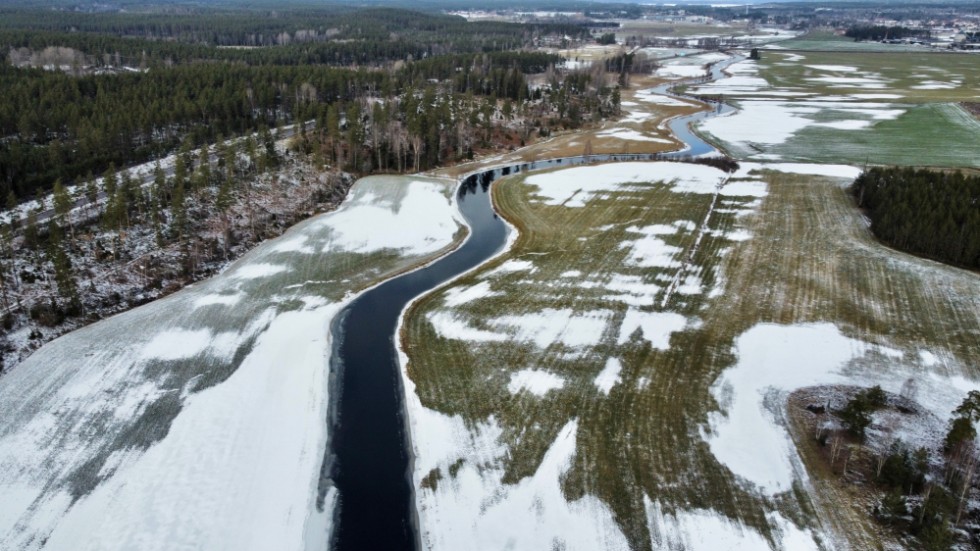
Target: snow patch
x,y
176,344
655,327
551,326
409,224
458,296
744,435
575,187
833,171
217,298
629,134
476,506
256,271
448,326
535,381
609,376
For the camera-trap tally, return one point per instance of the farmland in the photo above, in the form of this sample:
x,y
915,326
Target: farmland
x,y
629,318
615,377
628,358
853,107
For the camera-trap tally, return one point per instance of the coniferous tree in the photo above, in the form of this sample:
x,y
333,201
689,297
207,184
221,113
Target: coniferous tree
x,y
64,278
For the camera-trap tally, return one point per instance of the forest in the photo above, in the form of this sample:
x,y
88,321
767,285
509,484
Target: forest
x,y
331,23
880,32
122,100
931,213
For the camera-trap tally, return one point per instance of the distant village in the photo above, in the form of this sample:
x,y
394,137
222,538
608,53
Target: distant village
x,y
944,27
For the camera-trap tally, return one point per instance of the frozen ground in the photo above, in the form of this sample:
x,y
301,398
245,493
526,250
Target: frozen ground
x,y
199,421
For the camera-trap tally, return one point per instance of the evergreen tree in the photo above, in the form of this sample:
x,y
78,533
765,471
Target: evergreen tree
x,y
11,205
30,230
67,288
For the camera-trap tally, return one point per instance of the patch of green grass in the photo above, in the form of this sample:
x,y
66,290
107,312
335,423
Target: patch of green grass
x,y
825,40
941,135
910,75
934,130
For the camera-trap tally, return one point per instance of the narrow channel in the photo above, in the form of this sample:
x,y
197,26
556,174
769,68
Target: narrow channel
x,y
369,461
370,464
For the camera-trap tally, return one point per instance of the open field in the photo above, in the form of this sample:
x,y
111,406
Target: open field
x,y
856,108
913,76
826,40
622,367
199,420
670,30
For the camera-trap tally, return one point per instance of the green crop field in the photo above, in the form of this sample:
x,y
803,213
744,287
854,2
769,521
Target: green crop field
x,y
851,107
825,40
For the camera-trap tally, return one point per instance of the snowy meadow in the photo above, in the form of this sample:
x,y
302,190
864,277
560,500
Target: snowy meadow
x,y
199,420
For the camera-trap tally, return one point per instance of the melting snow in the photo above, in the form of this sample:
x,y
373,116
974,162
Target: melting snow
x,y
457,296
574,187
835,171
256,271
680,71
367,223
217,298
650,251
745,188
449,326
551,326
649,96
176,344
476,506
655,327
704,530
238,464
834,68
629,134
535,381
744,435
609,376
511,266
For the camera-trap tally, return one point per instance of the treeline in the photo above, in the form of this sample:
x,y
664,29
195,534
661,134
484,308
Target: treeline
x,y
434,125
61,126
925,212
119,242
436,33
881,32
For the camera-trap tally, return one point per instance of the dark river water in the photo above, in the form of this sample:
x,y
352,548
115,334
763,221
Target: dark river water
x,y
369,458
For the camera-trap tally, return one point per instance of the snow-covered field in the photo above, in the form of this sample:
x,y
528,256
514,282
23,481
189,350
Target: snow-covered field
x,y
199,421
